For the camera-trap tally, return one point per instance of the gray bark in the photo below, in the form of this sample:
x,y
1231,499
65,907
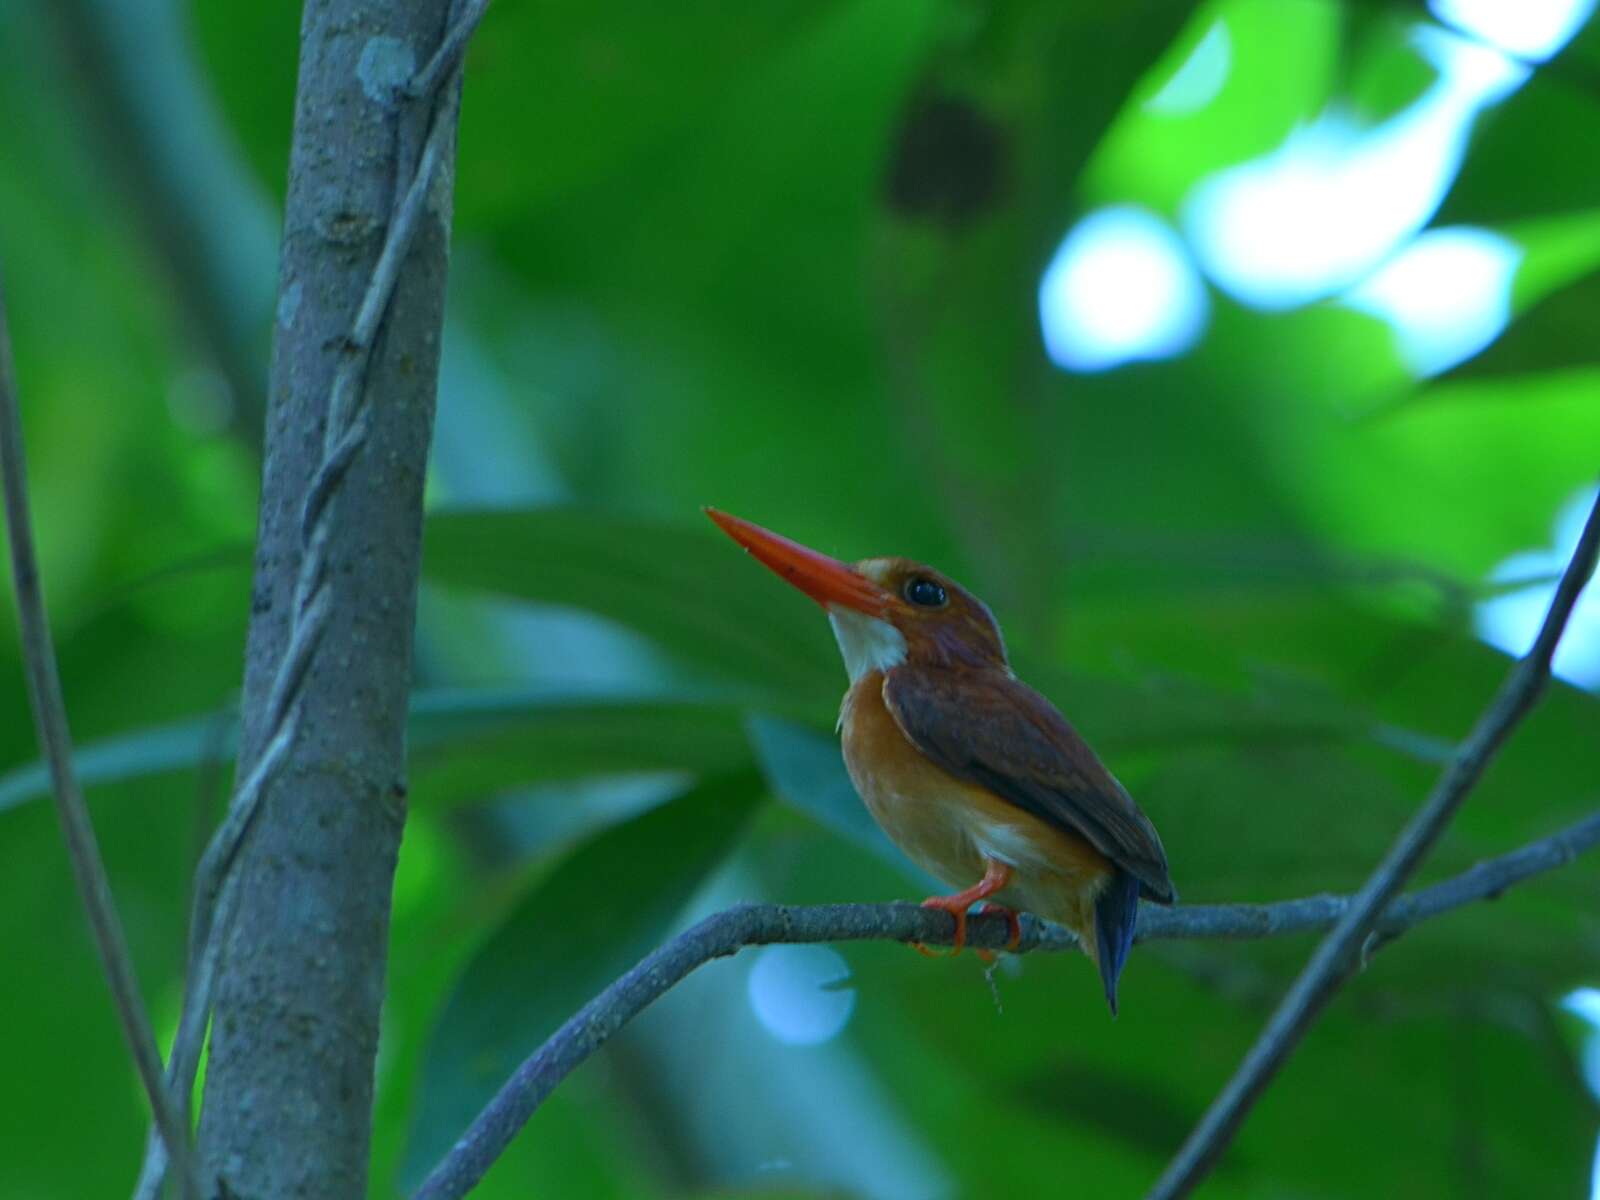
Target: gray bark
x,y
288,1101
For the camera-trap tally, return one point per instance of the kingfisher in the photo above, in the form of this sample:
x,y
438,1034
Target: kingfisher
x,y
967,769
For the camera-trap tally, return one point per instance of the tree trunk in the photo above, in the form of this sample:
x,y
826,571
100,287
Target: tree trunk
x,y
288,1100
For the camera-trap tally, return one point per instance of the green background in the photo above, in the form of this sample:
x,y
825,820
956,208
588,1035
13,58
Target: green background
x,y
682,277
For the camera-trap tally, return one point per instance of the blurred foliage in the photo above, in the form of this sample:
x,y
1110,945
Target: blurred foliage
x,y
782,258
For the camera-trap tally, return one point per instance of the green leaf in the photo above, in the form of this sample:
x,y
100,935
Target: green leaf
x,y
157,751
570,935
691,590
804,769
467,746
1514,168
1282,61
464,745
607,86
57,991
1555,334
1553,298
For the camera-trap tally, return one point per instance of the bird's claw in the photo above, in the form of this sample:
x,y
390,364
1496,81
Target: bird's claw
x,y
1013,922
996,875
959,914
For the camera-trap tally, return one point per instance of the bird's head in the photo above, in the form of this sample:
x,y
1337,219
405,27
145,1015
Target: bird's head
x,y
884,611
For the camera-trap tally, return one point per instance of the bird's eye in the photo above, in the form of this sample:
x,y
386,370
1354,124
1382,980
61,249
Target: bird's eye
x,y
924,592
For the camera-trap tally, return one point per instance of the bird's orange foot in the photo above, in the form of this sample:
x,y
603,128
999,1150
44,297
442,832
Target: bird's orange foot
x,y
1013,921
956,906
996,875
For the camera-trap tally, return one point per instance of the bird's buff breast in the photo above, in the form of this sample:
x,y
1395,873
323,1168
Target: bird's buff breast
x,y
949,827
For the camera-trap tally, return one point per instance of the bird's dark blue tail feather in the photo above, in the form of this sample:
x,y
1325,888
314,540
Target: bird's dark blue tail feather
x,y
1115,914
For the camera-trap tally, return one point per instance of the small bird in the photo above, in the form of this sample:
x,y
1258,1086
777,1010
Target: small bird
x,y
971,772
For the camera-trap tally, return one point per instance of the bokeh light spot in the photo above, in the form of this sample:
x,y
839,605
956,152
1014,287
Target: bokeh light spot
x,y
1120,288
1531,29
1511,621
794,993
1336,199
1447,295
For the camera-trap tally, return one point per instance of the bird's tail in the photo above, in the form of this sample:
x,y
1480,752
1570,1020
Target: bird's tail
x,y
1116,911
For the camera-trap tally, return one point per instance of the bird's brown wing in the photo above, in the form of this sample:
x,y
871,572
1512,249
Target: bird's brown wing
x,y
987,728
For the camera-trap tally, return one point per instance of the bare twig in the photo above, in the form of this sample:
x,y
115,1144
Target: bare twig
x,y
212,912
727,932
1336,957
55,743
450,49
346,433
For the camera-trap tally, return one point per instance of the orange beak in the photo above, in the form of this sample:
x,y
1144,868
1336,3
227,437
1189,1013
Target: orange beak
x,y
826,580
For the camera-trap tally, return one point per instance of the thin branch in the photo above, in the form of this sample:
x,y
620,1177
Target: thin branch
x,y
55,743
727,932
450,49
1336,957
347,429
212,912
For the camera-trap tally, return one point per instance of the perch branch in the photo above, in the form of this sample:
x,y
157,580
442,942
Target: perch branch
x,y
55,744
1337,956
727,932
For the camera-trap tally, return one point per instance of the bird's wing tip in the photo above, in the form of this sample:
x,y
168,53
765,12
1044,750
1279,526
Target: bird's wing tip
x,y
1158,891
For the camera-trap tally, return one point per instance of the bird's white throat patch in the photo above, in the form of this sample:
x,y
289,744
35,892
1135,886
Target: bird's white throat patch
x,y
867,643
